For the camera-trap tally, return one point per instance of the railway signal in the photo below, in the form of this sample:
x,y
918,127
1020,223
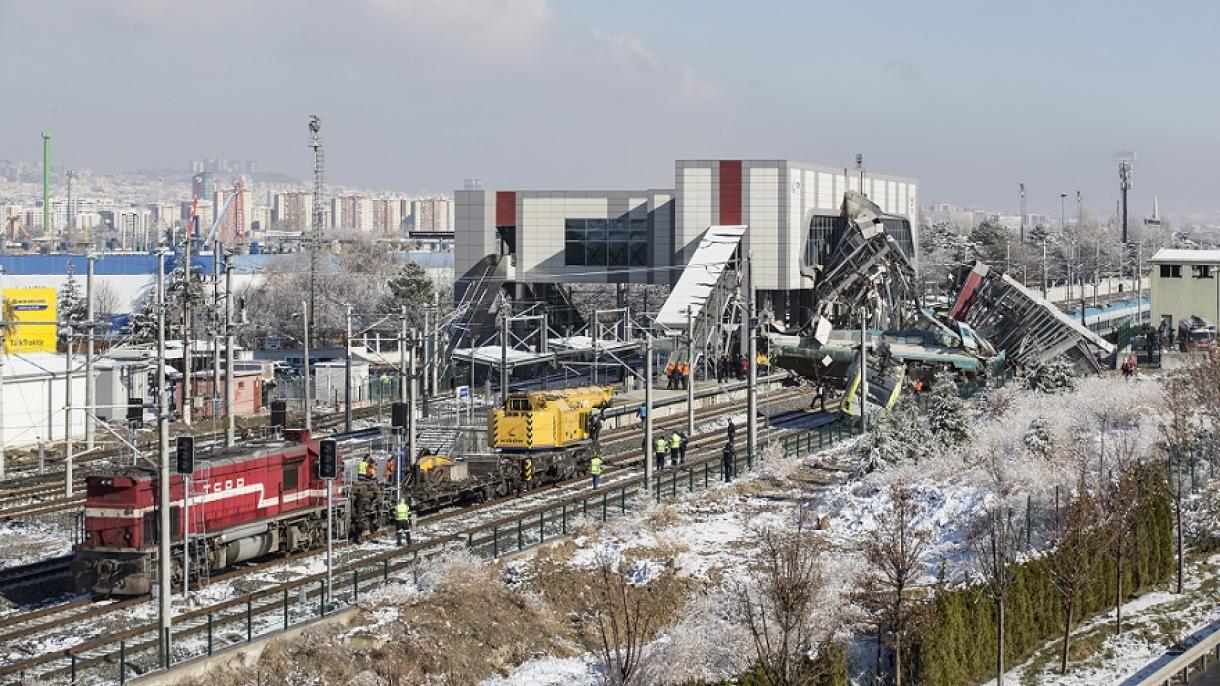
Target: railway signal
x,y
279,414
185,454
328,463
328,469
398,415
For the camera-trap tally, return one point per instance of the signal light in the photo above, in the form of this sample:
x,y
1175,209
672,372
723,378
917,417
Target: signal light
x,y
279,414
328,463
186,454
398,415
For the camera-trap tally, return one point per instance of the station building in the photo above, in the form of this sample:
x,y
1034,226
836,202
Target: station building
x,y
792,212
1185,284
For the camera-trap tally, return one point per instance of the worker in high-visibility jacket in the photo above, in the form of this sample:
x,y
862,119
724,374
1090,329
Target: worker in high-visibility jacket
x,y
367,470
675,446
595,470
661,447
402,521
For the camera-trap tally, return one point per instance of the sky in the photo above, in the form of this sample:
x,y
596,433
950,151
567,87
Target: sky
x,y
415,95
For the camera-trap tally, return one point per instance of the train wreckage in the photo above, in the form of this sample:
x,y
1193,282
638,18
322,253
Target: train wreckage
x,y
867,291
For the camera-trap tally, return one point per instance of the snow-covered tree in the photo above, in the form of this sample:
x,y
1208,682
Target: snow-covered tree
x,y
1038,439
71,307
1055,376
901,435
948,418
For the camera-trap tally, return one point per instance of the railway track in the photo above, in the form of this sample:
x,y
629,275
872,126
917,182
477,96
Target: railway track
x,y
77,619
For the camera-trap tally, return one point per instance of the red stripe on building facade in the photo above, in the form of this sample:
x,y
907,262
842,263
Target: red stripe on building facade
x,y
730,192
506,208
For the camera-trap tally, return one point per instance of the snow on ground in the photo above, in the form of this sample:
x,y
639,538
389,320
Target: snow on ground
x,y
552,671
946,511
25,541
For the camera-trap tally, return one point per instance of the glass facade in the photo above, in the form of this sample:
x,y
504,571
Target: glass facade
x,y
618,242
824,233
900,231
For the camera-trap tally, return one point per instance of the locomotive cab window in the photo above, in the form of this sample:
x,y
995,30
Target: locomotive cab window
x,y
291,473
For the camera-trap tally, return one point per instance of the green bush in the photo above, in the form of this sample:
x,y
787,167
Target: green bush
x,y
959,646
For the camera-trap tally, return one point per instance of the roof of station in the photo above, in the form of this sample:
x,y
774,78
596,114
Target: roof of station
x,y
700,276
1180,256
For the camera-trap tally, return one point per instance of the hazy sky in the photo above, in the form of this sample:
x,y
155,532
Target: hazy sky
x,y
968,96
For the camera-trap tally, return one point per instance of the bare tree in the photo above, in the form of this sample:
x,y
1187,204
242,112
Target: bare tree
x,y
1079,541
1121,492
995,547
106,299
623,623
1177,438
779,606
894,552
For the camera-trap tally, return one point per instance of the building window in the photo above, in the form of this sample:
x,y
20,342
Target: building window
x,y
1171,271
1202,271
619,242
900,231
824,233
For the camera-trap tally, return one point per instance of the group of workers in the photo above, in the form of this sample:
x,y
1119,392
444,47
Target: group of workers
x,y
672,448
677,376
366,470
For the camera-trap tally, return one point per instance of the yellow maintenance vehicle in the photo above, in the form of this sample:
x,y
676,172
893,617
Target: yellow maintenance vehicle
x,y
536,421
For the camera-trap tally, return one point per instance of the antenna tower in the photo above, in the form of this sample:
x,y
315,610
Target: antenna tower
x,y
1124,185
315,142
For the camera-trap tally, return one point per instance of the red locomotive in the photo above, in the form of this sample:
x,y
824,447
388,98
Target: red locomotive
x,y
254,501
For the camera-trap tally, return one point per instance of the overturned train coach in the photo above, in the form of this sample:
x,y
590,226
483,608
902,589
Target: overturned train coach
x,y
263,499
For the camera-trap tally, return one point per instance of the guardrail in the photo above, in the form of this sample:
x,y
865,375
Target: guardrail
x,y
1189,663
141,650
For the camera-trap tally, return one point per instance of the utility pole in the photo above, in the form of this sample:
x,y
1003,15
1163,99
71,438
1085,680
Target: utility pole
x,y
68,456
230,423
690,368
217,398
46,184
347,371
504,351
187,366
436,341
1021,186
411,400
69,229
163,553
306,313
318,215
863,371
90,389
751,364
1044,269
402,356
649,467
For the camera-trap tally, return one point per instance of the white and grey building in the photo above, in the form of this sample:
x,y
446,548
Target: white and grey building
x,y
792,211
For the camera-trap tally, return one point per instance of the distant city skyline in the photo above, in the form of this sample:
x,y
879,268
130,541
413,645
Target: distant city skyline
x,y
420,94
